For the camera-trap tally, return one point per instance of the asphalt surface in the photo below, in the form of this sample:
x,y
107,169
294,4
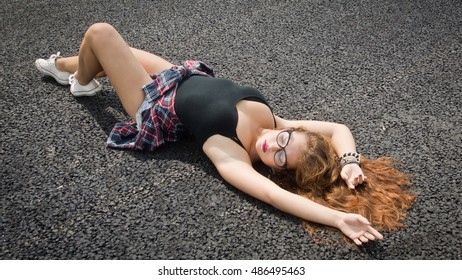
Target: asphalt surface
x,y
390,70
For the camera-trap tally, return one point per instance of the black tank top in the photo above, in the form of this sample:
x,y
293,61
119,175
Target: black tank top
x,y
207,106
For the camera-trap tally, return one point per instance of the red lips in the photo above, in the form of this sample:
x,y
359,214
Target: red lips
x,y
264,146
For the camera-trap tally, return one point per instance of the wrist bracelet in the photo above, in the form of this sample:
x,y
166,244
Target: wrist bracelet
x,y
356,155
349,158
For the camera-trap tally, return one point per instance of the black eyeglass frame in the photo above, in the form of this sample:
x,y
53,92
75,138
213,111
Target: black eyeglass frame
x,y
282,147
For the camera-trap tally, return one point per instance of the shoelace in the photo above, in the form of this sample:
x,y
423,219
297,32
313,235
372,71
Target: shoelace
x,y
72,79
54,56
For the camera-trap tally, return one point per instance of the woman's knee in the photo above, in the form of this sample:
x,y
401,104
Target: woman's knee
x,y
101,31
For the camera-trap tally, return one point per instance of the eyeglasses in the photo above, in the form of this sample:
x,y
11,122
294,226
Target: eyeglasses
x,y
282,139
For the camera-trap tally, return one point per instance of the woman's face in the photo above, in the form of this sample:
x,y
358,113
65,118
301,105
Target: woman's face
x,y
280,149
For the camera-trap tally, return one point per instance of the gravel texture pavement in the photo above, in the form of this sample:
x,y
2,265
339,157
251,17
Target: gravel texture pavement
x,y
390,70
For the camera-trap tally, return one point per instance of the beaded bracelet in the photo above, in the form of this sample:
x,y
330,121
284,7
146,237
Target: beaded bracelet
x,y
356,155
349,158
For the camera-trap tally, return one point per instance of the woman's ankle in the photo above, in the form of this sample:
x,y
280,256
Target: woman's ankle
x,y
60,64
80,79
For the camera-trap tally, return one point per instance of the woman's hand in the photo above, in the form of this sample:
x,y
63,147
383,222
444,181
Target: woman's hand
x,y
353,175
358,229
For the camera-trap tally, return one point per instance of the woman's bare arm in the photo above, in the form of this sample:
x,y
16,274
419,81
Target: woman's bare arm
x,y
234,165
340,135
342,140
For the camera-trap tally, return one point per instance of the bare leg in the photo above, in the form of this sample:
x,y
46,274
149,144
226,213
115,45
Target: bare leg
x,y
103,49
67,64
150,62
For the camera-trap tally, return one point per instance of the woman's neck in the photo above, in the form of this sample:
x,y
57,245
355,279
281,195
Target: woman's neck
x,y
253,118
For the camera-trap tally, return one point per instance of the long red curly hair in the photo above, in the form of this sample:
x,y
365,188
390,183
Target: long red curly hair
x,y
383,199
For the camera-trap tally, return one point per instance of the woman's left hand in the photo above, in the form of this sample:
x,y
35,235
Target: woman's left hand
x,y
358,229
353,175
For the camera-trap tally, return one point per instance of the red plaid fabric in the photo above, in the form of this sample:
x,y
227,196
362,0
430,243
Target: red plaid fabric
x,y
157,120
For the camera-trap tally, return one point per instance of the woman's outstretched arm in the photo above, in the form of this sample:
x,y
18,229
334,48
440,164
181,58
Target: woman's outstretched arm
x,y
342,140
235,167
340,135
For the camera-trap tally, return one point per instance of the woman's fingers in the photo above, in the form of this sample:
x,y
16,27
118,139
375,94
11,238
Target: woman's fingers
x,y
363,239
360,179
369,236
350,185
356,181
375,233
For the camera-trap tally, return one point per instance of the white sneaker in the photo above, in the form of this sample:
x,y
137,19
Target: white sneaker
x,y
87,90
48,67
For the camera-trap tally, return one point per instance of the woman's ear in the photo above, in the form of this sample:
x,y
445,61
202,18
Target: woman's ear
x,y
279,171
272,172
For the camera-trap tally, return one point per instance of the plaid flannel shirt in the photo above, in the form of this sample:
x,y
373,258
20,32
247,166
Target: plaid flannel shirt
x,y
158,121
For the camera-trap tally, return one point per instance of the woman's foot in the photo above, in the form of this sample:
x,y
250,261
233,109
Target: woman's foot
x,y
84,90
48,67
